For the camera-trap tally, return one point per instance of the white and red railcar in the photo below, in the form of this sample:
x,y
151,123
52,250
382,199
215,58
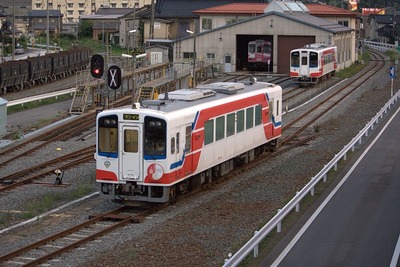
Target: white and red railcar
x,y
313,63
259,54
184,139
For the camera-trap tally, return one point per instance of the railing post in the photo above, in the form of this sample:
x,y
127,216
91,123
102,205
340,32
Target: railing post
x,y
279,225
256,247
298,203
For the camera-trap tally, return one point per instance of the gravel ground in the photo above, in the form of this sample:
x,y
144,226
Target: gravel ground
x,y
201,230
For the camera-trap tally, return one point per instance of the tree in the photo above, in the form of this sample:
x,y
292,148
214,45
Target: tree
x,y
85,29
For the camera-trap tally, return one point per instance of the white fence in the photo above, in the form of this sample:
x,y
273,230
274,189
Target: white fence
x,y
294,203
379,46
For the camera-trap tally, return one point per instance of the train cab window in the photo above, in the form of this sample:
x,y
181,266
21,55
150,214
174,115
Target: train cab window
x,y
295,59
230,124
252,48
220,128
240,121
155,137
208,132
173,145
249,118
188,141
313,60
131,140
108,136
257,115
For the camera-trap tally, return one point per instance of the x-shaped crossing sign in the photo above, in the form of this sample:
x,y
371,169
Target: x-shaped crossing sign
x,y
114,77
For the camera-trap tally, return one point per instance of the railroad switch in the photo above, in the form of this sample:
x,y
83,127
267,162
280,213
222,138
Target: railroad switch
x,y
59,176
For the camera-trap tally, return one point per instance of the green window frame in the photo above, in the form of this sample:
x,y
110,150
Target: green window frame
x,y
230,124
249,118
219,128
257,115
208,132
240,121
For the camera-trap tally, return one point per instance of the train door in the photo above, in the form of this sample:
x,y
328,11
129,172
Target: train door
x,y
131,154
304,63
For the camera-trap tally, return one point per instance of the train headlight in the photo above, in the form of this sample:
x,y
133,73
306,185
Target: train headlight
x,y
155,171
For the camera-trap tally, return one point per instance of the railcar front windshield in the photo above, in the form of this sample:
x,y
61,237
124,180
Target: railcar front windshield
x,y
108,136
295,59
313,60
252,48
155,138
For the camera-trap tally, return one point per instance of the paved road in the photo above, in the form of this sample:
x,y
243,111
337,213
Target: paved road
x,y
33,117
359,223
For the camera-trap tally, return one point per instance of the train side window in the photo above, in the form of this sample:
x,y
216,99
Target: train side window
x,y
220,128
230,124
177,142
131,141
173,145
208,132
249,118
257,117
188,141
240,121
313,60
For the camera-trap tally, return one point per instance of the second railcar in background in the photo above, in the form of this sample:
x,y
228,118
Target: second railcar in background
x,y
313,63
259,55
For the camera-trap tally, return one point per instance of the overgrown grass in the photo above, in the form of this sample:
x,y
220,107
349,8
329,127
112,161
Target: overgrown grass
x,y
355,67
393,55
51,200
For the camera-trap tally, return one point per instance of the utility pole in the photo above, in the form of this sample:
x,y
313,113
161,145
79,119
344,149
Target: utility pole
x,y
48,28
13,34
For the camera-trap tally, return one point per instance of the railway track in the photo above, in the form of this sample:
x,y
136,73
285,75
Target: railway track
x,y
53,246
36,172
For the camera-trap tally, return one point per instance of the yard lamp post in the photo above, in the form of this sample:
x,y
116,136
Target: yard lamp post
x,y
194,58
134,68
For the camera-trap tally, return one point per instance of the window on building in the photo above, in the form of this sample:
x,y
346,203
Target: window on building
x,y
211,55
70,5
231,20
344,23
206,24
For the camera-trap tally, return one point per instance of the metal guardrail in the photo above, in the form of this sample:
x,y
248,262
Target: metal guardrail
x,y
294,203
40,97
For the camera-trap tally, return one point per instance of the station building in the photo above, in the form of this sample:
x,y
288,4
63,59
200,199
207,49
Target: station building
x,y
287,25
